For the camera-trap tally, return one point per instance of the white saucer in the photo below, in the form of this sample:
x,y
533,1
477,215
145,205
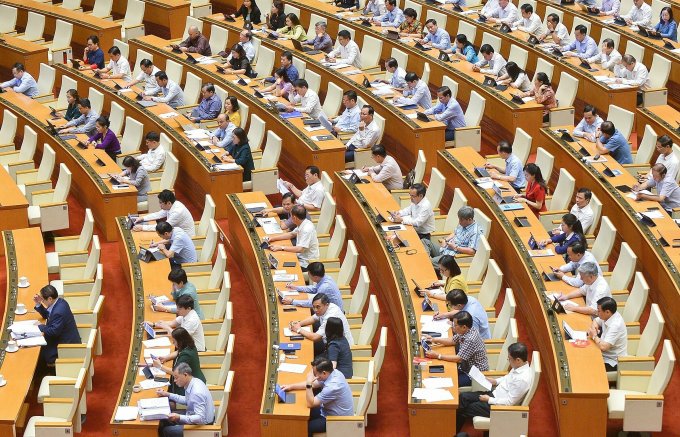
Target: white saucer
x,y
12,350
4,383
28,284
21,313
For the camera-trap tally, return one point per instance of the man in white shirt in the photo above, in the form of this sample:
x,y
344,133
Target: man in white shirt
x,y
510,389
312,196
118,68
173,211
173,95
557,32
245,40
608,57
609,333
589,126
308,100
188,319
350,118
323,310
594,288
398,79
489,7
366,135
418,214
494,61
375,7
577,255
387,171
148,77
154,157
506,13
582,210
664,145
416,92
530,23
306,242
633,73
640,14
347,51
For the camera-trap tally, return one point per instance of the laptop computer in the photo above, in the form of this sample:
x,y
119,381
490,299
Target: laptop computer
x,y
307,50
498,196
421,47
52,129
228,18
422,117
648,32
149,255
428,305
489,81
75,64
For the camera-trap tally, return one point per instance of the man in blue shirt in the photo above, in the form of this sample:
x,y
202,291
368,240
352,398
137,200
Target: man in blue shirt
x,y
350,118
322,284
394,16
222,136
334,399
93,56
458,301
612,142
210,105
436,37
85,124
22,83
448,111
181,250
583,46
514,168
415,93
287,64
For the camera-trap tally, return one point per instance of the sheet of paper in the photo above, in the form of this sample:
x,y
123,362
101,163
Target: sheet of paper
x,y
527,99
441,326
288,333
383,91
227,166
156,352
154,372
430,383
281,187
149,384
32,341
285,278
126,90
479,378
292,368
126,413
314,128
157,342
169,115
654,213
437,395
351,72
414,115
541,253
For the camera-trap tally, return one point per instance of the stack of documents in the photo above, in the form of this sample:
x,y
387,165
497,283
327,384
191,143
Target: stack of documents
x,y
25,330
432,394
292,368
284,277
157,342
270,225
431,383
126,413
154,408
197,134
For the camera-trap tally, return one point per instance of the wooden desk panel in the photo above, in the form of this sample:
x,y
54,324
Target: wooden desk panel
x,y
14,50
576,378
13,204
25,257
664,120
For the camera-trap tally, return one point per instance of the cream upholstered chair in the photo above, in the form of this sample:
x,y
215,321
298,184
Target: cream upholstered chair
x,y
344,274
35,27
218,39
265,62
623,120
70,273
499,326
266,173
205,254
174,70
192,90
638,399
604,243
132,139
635,304
558,202
475,269
216,373
301,67
212,285
256,133
117,118
9,21
371,50
543,66
514,420
71,250
643,155
363,334
563,114
132,25
435,191
8,131
141,54
519,56
49,208
201,226
487,294
200,8
313,80
446,224
419,175
32,180
92,317
657,94
70,361
96,100
46,81
354,303
102,9
221,425
492,40
360,370
220,291
545,161
331,105
22,159
624,269
521,148
330,246
72,5
217,341
326,216
86,300
165,182
467,28
59,49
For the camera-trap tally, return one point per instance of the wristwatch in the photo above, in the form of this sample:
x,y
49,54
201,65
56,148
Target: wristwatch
x,y
308,386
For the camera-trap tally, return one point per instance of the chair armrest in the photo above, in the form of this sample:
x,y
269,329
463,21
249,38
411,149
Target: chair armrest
x,y
559,212
635,364
634,380
467,128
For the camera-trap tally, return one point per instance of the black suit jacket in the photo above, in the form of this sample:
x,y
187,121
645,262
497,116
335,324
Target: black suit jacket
x,y
60,328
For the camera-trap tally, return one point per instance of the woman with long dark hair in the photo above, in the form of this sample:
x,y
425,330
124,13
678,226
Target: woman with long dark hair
x,y
249,11
571,231
452,278
186,353
515,77
534,196
337,347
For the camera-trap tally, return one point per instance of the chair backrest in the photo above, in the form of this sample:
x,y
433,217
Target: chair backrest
x,y
218,38
435,190
102,8
500,329
658,74
467,29
545,161
96,289
313,80
604,242
521,146
636,50
166,142
536,367
439,17
174,71
116,118
28,144
192,89
207,215
596,206
123,47
425,77
502,362
576,22
370,324
47,166
71,4
566,91
415,6
301,66
657,5
221,414
475,110
652,334
421,166
225,330
243,110
46,79
663,371
132,137
483,222
256,46
9,23
543,66
218,270
265,62
452,84
290,9
323,226
356,305
491,287
63,32
366,392
459,201
646,147
313,19
209,244
169,175
272,150
141,54
480,260
63,186
67,83
337,240
331,105
35,26
400,56
564,191
96,100
622,119
637,299
88,227
349,264
9,127
492,40
519,56
326,182
134,14
614,36
624,269
370,51
191,21
93,259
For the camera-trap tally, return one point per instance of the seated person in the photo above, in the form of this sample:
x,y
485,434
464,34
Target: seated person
x,y
457,300
173,95
59,327
180,287
200,407
306,242
398,78
22,83
452,278
470,349
135,175
611,142
188,319
392,18
118,67
418,213
609,333
224,134
581,209
463,239
387,171
512,172
245,40
238,62
515,77
610,7
534,196
543,93
323,310
570,231
608,57
105,139
664,146
284,212
667,27
338,349
148,77
640,14
366,135
375,8
240,153
447,111
209,107
346,52
172,211
293,28
348,121
334,399
489,7
465,50
186,353
584,46
282,86
505,13
589,126
93,56
304,100
85,123
195,43
593,289
154,157
322,40
530,23
494,62
510,389
287,64
277,18
416,92
232,110
249,11
576,255
181,250
633,73
667,192
435,36
311,197
72,98
410,27
347,4
557,32
322,283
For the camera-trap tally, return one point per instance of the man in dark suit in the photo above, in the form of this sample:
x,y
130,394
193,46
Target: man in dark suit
x,y
60,326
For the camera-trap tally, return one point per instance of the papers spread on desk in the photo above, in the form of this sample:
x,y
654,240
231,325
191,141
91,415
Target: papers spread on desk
x,y
441,326
284,277
432,394
126,90
150,384
31,341
574,334
155,372
336,65
633,194
157,342
541,253
437,383
227,166
25,330
592,159
314,128
19,326
126,413
605,79
292,368
288,333
197,134
153,408
168,115
205,60
414,115
383,91
270,225
156,352
654,214
469,12
527,99
286,293
620,86
282,187
351,72
479,378
676,50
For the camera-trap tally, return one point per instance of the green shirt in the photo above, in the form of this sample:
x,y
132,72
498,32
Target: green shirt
x,y
191,291
187,355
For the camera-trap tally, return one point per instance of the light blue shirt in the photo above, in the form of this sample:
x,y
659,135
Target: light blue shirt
x,y
584,128
326,286
26,85
618,147
440,39
463,237
349,119
419,95
610,7
667,30
392,18
479,317
172,95
85,124
335,396
470,54
456,2
200,408
514,167
182,246
451,114
225,136
583,49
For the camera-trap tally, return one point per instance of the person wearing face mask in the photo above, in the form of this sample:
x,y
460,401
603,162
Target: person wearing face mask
x,y
180,287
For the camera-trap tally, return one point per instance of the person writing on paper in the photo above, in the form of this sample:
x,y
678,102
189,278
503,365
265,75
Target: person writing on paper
x,y
589,126
322,40
180,287
348,121
240,153
135,175
594,288
209,107
232,110
542,91
293,29
186,353
570,230
238,62
306,242
322,283
435,36
105,139
154,157
608,57
494,62
118,68
470,349
173,95
667,27
181,250
200,406
465,50
367,134
633,73
664,146
515,77
534,196
640,14
392,18
347,51
249,11
85,123
609,333
22,83
510,389
667,192
418,214
59,327
387,171
612,142
463,240
306,100
557,32
148,77
576,255
282,86
188,319
93,56
452,278
172,211
323,310
334,399
530,23
195,43
447,111
416,93
457,300
410,27
512,172
584,46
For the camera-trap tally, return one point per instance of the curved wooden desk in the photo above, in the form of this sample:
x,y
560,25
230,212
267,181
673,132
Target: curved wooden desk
x,y
13,204
396,270
276,419
664,119
14,50
575,376
25,256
